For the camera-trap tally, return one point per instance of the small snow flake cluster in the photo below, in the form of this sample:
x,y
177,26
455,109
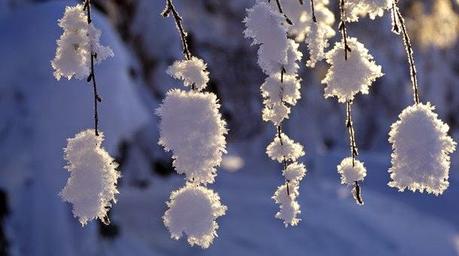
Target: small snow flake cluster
x,y
360,8
192,128
76,44
421,149
278,57
346,78
193,211
285,196
91,188
193,72
283,148
351,171
314,33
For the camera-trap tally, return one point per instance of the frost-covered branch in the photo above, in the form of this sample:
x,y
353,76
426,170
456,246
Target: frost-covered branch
x,y
278,57
313,12
170,8
192,128
356,191
342,28
92,74
279,7
398,25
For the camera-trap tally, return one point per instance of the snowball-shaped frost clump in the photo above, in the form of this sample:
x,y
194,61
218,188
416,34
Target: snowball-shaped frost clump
x,y
275,113
346,78
192,128
265,26
421,148
372,8
91,188
294,172
275,91
192,72
77,42
193,211
351,173
284,149
289,207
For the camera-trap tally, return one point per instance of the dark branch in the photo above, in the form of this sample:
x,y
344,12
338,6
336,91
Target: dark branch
x,y
356,190
92,74
357,193
170,8
279,6
398,24
279,134
313,11
343,29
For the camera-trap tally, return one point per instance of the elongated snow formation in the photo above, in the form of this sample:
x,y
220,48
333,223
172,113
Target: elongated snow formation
x,y
278,57
420,143
91,187
192,128
352,71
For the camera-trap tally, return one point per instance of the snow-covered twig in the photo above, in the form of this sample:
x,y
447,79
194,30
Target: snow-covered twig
x,y
398,25
356,191
343,29
279,6
313,12
170,8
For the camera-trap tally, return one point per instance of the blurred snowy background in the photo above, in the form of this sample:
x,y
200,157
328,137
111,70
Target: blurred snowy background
x,y
38,113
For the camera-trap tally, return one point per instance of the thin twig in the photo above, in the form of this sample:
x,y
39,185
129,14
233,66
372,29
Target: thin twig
x,y
313,11
279,6
92,74
170,8
343,29
356,191
279,134
399,23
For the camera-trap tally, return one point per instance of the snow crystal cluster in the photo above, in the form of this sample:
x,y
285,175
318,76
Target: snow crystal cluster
x,y
76,44
278,57
421,149
91,188
192,128
346,78
193,211
315,34
351,170
193,72
285,197
360,8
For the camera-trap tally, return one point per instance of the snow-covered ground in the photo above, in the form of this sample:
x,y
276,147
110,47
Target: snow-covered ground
x,y
38,113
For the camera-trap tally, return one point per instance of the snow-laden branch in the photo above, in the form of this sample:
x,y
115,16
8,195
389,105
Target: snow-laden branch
x,y
192,128
278,57
91,187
